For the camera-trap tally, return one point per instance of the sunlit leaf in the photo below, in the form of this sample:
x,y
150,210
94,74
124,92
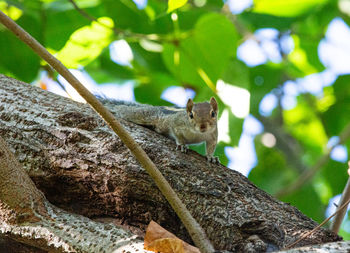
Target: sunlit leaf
x,y
175,4
86,44
299,58
104,70
60,26
10,10
305,125
287,8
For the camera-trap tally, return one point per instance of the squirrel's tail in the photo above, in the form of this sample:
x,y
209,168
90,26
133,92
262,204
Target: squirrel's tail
x,y
140,114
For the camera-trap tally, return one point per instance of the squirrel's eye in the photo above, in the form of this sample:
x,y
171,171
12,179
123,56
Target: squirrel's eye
x,y
191,115
213,114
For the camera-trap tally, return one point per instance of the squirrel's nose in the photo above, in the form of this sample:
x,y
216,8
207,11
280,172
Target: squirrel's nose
x,y
202,127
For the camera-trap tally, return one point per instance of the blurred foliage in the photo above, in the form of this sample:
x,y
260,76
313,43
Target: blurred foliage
x,y
194,44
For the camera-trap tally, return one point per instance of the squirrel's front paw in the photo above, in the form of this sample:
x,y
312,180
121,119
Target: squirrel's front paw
x,y
213,159
183,148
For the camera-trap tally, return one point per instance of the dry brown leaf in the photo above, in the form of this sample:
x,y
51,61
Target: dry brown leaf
x,y
158,239
166,245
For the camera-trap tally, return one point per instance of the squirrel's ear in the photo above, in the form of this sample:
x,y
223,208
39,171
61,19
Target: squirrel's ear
x,y
189,105
214,104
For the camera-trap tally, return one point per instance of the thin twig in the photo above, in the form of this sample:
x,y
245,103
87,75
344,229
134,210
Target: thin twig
x,y
307,175
340,216
196,232
319,226
92,18
119,31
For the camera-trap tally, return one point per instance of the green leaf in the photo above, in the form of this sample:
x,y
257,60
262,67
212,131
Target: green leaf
x,y
237,74
286,8
262,80
104,70
15,56
256,21
86,44
62,23
303,198
335,174
301,58
336,117
201,60
153,85
127,16
235,128
345,232
305,125
175,4
271,173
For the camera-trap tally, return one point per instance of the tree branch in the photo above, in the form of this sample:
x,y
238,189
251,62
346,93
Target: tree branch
x,y
341,208
81,166
155,37
26,216
308,174
341,214
196,232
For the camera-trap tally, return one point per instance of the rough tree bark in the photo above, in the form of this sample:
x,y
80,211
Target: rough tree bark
x,y
82,167
26,216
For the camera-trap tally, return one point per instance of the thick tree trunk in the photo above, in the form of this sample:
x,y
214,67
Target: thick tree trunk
x,y
27,217
83,167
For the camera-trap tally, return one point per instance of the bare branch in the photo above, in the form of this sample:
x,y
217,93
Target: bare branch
x,y
308,174
341,214
342,207
120,31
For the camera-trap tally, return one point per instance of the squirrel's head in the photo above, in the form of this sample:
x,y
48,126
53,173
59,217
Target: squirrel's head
x,y
203,116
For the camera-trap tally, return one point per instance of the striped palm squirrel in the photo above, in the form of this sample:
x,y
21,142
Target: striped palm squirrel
x,y
194,124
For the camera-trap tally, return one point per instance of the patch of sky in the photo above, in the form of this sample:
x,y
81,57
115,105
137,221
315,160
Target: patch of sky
x,y
124,91
243,158
290,92
52,85
268,104
238,6
313,84
334,49
178,95
332,208
251,53
237,98
84,78
286,43
141,4
121,53
265,46
339,152
332,205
